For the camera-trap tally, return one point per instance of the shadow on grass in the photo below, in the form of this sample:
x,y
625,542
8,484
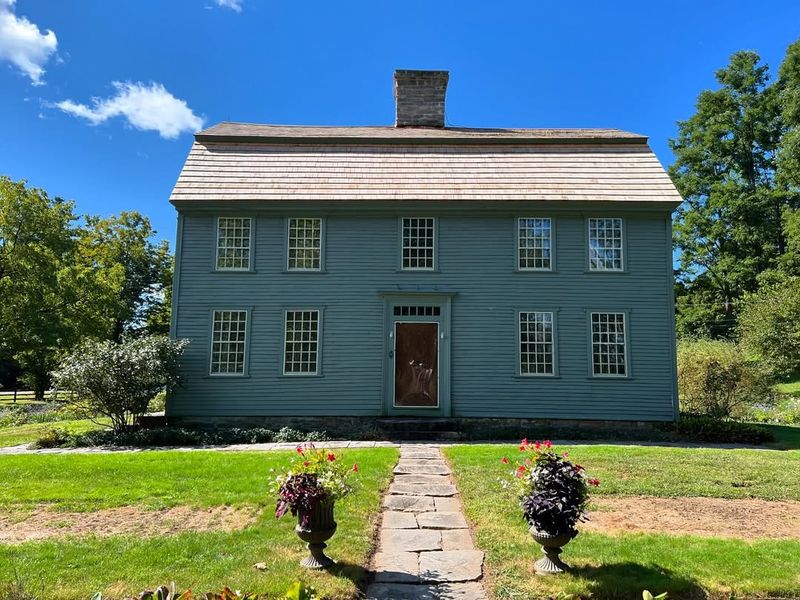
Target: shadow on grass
x,y
358,574
626,580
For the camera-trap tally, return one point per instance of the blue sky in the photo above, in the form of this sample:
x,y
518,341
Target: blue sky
x,y
179,63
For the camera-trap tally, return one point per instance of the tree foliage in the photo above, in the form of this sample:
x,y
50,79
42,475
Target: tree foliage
x,y
51,297
62,282
117,380
770,326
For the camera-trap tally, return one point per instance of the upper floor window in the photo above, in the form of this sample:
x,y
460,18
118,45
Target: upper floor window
x,y
534,241
301,344
608,344
418,243
228,342
233,243
304,245
536,343
605,244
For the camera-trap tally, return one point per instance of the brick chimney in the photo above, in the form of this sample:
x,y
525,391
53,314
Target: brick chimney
x,y
419,98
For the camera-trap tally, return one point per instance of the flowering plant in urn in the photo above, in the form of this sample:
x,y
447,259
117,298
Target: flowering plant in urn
x,y
308,489
553,493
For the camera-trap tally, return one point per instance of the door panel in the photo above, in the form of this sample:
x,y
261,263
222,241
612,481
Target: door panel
x,y
416,365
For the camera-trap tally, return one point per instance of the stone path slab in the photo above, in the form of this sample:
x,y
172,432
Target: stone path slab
x,y
425,549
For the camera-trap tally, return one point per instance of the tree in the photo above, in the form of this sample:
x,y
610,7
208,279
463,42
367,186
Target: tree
x,y
126,240
730,228
770,326
118,380
51,299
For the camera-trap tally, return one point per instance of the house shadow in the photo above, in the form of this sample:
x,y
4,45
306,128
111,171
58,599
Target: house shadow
x,y
625,580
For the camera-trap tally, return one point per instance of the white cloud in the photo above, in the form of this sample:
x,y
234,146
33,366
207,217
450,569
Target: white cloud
x,y
145,106
22,44
234,5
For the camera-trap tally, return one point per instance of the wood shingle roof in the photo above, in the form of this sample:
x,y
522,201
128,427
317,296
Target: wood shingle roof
x,y
231,161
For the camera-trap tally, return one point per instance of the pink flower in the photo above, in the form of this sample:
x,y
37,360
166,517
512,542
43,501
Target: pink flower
x,y
537,446
520,471
504,460
331,456
547,444
565,454
523,445
355,467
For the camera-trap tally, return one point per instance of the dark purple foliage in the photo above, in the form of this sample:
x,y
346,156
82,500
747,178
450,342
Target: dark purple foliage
x,y
300,493
559,496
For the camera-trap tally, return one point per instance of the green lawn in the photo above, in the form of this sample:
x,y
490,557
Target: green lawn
x,y
123,565
621,566
25,434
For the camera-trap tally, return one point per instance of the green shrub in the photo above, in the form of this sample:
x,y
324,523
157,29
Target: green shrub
x,y
701,428
119,380
786,411
177,436
769,325
716,379
53,438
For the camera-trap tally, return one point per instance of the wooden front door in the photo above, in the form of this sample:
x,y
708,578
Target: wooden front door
x,y
416,365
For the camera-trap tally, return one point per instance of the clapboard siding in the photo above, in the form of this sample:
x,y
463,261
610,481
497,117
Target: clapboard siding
x,y
475,260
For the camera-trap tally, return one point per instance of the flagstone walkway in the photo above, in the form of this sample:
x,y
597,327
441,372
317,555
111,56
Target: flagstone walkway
x,y
425,549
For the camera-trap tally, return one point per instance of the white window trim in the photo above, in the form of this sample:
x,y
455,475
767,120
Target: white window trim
x,y
249,266
288,246
603,269
519,245
211,372
317,372
433,247
553,371
627,373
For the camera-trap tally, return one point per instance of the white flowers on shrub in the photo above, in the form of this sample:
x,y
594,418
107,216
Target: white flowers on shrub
x,y
118,380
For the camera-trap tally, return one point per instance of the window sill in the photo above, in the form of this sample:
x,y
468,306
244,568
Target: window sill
x,y
226,377
417,271
536,271
537,377
301,376
304,271
233,272
606,272
610,378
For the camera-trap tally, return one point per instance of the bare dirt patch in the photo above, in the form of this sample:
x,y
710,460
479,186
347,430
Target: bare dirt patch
x,y
45,523
746,519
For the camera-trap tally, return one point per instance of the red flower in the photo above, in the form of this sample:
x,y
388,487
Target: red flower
x,y
299,449
520,471
594,482
547,444
355,467
306,463
565,454
523,445
528,462
331,456
504,460
578,467
537,446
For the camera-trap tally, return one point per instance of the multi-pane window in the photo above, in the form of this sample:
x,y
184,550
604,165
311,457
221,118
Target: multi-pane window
x,y
301,348
605,244
228,342
418,242
233,243
305,244
536,343
608,344
534,244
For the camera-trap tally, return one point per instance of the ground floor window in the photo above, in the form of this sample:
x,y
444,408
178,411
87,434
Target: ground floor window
x,y
228,342
608,344
536,343
301,346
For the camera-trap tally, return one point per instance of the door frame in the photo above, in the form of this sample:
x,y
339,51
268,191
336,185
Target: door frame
x,y
440,299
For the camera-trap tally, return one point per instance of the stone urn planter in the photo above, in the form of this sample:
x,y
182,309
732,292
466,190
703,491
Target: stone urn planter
x,y
550,563
319,528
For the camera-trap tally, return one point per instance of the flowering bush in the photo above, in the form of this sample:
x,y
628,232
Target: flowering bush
x,y
553,492
315,475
